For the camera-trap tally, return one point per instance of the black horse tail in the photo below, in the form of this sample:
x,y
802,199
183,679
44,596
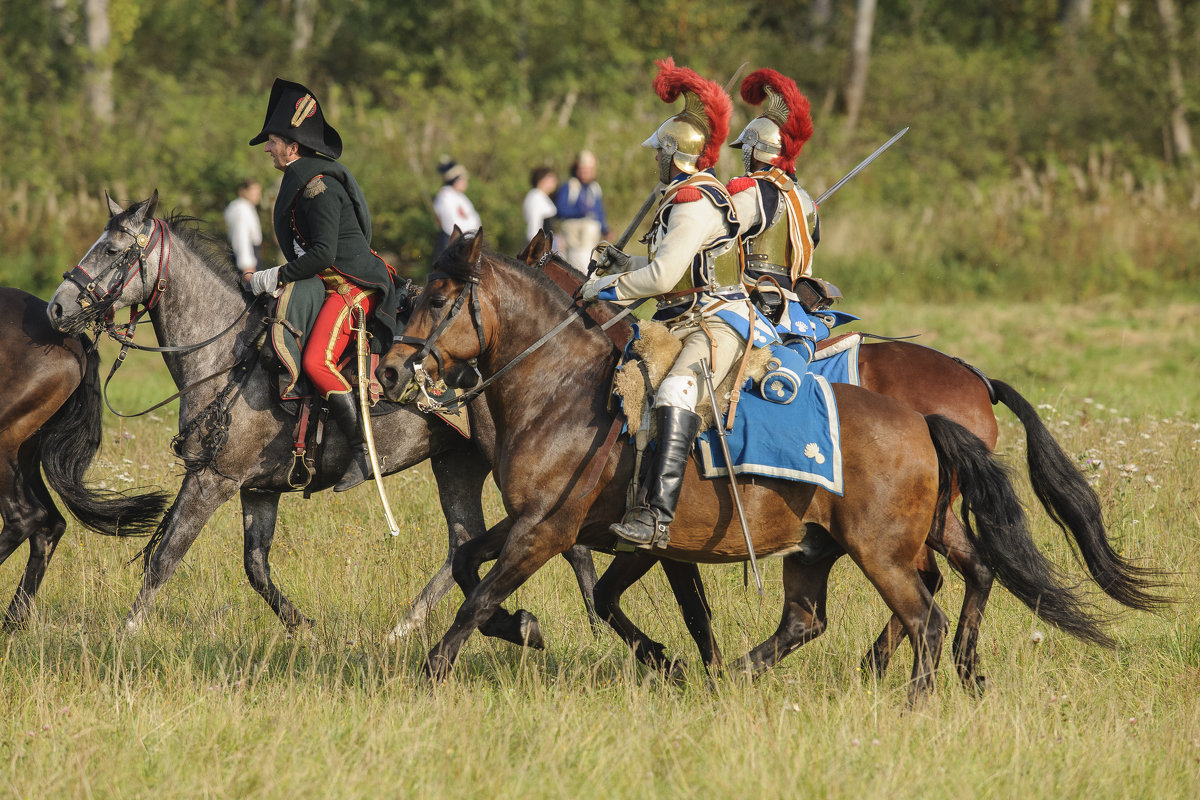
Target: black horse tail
x,y
66,445
991,507
1075,508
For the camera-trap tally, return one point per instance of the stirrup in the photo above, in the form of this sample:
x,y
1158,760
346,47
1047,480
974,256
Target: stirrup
x,y
641,528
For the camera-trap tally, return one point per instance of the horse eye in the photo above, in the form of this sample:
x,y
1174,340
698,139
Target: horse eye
x,y
437,301
111,250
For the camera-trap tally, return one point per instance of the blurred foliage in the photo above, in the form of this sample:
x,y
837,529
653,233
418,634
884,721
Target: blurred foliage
x,y
1035,162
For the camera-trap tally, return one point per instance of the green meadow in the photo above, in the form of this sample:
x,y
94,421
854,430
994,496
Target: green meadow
x,y
213,699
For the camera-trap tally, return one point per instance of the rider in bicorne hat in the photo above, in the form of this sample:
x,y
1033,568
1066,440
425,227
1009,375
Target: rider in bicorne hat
x,y
694,273
324,229
779,226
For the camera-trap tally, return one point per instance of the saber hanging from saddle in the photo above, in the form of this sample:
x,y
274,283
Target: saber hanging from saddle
x,y
733,487
359,323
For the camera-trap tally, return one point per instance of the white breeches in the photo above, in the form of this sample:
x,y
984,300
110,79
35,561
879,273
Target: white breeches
x,y
683,387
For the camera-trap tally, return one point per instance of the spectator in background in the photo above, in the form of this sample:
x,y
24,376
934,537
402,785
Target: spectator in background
x,y
244,227
580,203
451,206
538,208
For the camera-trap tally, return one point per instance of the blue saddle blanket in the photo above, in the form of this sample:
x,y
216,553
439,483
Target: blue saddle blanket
x,y
841,367
798,441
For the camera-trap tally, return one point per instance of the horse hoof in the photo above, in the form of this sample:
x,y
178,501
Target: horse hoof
x,y
531,631
676,672
872,668
437,667
401,632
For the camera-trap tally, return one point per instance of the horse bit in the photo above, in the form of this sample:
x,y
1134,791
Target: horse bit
x,y
433,391
90,295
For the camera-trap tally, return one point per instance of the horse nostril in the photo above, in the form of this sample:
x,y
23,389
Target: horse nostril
x,y
388,377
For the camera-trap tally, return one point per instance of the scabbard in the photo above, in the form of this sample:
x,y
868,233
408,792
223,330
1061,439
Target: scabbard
x,y
733,487
364,405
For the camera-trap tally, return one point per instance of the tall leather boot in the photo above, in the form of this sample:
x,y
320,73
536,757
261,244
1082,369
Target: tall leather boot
x,y
345,414
649,524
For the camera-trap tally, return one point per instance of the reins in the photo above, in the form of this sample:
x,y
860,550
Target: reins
x,y
479,388
136,253
428,347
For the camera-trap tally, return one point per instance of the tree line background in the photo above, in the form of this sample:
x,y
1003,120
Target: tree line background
x,y
1050,151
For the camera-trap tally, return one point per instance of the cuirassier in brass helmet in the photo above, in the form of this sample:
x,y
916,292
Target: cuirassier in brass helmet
x,y
777,134
691,139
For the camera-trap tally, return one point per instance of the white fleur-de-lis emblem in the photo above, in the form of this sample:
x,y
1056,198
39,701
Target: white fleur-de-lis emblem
x,y
813,450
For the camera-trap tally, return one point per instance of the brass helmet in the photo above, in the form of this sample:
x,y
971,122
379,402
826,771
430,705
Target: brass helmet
x,y
690,140
776,136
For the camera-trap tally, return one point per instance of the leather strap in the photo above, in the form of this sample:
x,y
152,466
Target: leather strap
x,y
600,458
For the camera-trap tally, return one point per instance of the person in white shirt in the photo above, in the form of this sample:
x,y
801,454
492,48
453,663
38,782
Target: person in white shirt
x,y
451,206
538,207
244,227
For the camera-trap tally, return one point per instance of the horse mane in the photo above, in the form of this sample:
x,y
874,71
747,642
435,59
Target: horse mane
x,y
453,261
214,249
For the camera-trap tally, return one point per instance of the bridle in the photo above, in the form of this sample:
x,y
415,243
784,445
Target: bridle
x,y
431,392
154,234
90,294
421,380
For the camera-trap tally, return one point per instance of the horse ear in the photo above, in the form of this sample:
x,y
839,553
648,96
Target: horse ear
x,y
455,235
114,208
143,210
537,248
474,250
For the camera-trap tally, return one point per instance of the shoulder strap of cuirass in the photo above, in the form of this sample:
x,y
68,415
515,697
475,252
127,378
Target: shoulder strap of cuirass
x,y
711,188
800,242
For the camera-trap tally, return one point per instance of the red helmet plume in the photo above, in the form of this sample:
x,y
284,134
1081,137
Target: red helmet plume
x,y
789,109
707,106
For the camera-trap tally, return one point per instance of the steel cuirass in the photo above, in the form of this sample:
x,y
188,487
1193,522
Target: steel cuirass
x,y
784,247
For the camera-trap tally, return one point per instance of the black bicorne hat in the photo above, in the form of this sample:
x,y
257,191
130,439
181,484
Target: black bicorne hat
x,y
294,113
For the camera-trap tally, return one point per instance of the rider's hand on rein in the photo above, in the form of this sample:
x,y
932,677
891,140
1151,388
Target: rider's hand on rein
x,y
265,281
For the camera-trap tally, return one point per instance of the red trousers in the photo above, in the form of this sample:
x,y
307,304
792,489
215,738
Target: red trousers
x,y
333,332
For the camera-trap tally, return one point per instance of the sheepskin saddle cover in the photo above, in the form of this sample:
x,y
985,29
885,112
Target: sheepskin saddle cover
x,y
654,350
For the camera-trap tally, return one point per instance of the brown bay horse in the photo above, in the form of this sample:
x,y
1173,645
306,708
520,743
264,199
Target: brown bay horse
x,y
551,416
930,382
50,420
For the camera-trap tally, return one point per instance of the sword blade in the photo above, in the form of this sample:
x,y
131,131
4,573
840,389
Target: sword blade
x,y
861,166
632,227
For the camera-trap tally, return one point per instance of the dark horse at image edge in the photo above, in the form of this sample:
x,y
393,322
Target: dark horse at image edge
x,y
50,420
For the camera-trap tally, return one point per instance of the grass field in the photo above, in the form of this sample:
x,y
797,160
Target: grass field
x,y
212,699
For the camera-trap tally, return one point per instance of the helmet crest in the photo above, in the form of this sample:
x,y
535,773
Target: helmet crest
x,y
707,107
786,107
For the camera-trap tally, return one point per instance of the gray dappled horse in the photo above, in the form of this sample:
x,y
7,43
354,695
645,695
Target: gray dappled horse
x,y
186,279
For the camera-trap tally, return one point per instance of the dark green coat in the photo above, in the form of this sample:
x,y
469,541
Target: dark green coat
x,y
321,208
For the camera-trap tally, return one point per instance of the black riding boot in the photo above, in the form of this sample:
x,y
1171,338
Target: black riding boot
x,y
648,524
344,413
